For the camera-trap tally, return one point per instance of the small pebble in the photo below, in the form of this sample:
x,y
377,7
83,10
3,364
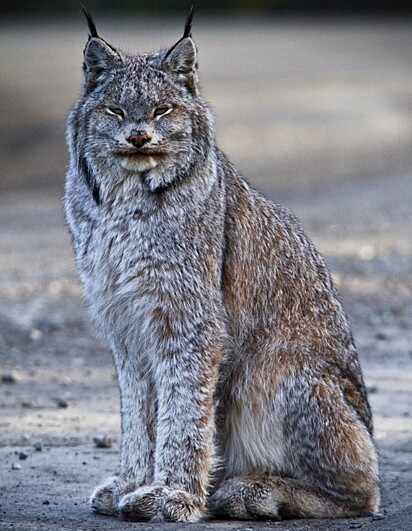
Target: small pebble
x,y
381,336
27,404
9,377
35,335
38,446
46,502
378,516
23,455
16,466
61,402
102,441
355,525
47,324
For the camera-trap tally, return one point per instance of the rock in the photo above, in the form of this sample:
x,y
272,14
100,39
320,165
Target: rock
x,y
355,525
35,334
61,402
46,502
38,446
16,466
102,441
27,404
382,336
378,516
9,377
23,455
47,323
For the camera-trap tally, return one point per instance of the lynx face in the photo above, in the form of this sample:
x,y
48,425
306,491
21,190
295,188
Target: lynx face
x,y
140,116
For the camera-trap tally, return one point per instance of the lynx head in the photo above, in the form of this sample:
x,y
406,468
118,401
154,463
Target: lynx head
x,y
140,116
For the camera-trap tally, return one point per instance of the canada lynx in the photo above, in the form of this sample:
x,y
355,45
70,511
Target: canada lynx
x,y
241,391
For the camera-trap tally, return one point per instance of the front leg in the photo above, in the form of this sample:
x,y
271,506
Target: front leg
x,y
186,376
138,419
138,412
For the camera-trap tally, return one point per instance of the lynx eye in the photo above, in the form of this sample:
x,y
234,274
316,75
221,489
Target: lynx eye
x,y
162,111
115,111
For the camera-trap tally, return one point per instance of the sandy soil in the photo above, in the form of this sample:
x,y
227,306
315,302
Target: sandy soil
x,y
320,117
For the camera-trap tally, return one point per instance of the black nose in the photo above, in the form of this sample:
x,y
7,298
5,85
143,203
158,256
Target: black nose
x,y
138,138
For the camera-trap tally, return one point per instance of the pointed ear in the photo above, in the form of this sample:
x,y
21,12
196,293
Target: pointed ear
x,y
99,56
99,59
181,61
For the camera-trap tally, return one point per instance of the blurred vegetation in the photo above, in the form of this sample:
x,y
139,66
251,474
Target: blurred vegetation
x,y
46,7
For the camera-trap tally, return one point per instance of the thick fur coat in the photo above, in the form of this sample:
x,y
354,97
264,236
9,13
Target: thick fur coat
x,y
241,391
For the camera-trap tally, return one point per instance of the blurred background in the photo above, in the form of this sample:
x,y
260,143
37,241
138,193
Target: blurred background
x,y
313,103
320,89
267,7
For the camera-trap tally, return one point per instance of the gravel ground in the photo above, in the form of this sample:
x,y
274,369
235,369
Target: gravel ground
x,y
319,115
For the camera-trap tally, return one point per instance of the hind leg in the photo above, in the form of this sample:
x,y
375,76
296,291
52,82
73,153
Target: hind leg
x,y
302,451
276,498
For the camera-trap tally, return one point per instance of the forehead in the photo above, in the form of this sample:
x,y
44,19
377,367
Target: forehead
x,y
143,79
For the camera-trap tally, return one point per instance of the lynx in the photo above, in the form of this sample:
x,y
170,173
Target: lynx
x,y
241,391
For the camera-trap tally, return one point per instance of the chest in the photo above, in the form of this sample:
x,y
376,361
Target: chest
x,y
119,262
127,256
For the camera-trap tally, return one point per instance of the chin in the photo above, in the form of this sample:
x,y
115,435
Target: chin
x,y
138,165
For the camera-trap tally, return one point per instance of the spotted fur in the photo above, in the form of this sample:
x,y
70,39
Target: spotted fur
x,y
239,381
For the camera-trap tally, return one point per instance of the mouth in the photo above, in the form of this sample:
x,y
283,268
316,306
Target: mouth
x,y
139,154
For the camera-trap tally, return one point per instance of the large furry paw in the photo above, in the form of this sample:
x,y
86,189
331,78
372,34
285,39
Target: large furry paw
x,y
243,500
160,503
105,498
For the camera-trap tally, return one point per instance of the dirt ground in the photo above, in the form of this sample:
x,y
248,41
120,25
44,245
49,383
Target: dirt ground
x,y
319,116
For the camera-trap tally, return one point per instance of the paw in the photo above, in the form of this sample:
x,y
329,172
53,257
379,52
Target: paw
x,y
105,498
160,503
142,504
243,500
228,501
179,506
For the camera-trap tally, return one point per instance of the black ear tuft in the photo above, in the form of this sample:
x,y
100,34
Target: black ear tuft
x,y
187,34
181,59
188,25
100,57
90,23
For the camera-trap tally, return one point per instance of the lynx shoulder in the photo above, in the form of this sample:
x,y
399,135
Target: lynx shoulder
x,y
241,391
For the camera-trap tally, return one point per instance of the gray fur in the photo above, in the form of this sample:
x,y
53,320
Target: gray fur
x,y
239,381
